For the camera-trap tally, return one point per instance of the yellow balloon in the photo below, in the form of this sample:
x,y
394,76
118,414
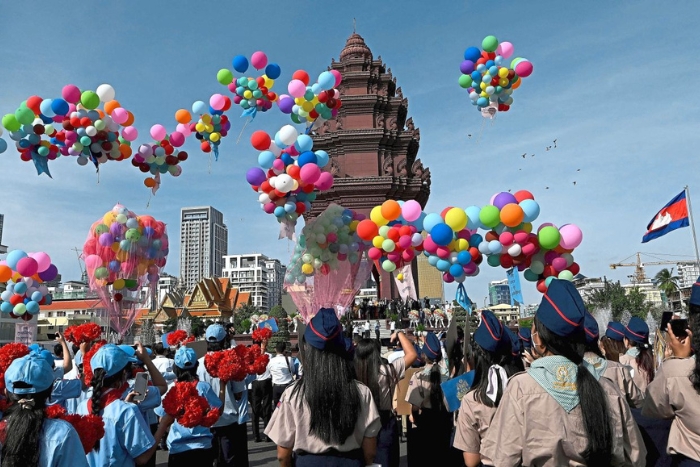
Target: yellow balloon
x,y
483,94
268,82
461,244
299,100
248,94
399,276
109,218
307,106
482,85
527,227
115,247
214,137
456,218
307,269
122,255
209,128
376,216
502,72
199,127
503,82
206,118
377,241
353,226
119,284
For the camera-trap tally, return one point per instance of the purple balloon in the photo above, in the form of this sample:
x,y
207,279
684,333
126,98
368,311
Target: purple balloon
x,y
502,199
49,274
106,239
255,176
286,104
466,67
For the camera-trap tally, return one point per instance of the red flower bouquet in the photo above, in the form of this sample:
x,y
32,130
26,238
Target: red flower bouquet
x,y
8,353
87,369
237,363
184,403
179,337
260,335
87,332
90,428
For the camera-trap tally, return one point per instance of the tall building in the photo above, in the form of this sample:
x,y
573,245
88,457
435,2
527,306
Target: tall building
x,y
688,272
203,244
499,292
258,275
430,283
3,248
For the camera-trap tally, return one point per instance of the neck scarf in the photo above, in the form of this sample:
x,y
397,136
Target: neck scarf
x,y
632,352
109,396
492,388
597,364
557,376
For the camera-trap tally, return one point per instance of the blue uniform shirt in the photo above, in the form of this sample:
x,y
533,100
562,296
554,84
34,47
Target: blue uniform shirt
x,y
65,389
60,445
180,438
126,436
146,406
235,411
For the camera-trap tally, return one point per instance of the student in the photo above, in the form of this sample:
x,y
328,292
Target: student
x,y
433,423
491,351
127,440
639,355
162,363
557,413
612,343
525,336
675,392
376,329
327,418
190,446
28,437
261,403
280,368
72,405
62,389
382,378
515,364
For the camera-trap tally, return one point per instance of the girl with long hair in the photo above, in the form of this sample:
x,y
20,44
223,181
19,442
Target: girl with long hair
x,y
674,394
433,423
492,354
28,437
639,355
557,413
382,378
612,344
326,417
128,440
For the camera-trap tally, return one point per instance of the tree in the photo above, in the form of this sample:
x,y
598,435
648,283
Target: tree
x,y
612,295
282,335
244,312
666,281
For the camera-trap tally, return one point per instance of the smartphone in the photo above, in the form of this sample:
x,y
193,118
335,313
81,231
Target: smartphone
x,y
665,319
679,328
141,386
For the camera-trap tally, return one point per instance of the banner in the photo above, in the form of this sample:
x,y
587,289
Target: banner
x,y
25,333
516,293
407,288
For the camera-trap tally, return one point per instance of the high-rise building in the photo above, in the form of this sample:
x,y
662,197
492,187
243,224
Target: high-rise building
x,y
203,244
430,283
258,275
3,248
499,292
688,272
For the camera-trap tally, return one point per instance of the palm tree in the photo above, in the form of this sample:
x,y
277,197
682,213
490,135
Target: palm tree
x,y
666,281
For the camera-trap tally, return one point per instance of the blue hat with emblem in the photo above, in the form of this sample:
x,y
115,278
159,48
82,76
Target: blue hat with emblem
x,y
325,332
215,333
185,358
591,328
637,330
525,336
695,293
431,346
491,334
615,331
110,358
516,347
32,370
562,310
130,351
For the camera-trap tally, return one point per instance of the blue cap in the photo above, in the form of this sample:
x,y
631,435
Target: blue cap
x,y
562,310
591,328
324,331
695,293
431,346
490,335
46,355
516,347
32,370
615,331
130,351
185,358
35,348
215,333
637,330
110,358
525,336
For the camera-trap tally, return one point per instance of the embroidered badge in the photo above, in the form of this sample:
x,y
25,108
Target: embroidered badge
x,y
563,378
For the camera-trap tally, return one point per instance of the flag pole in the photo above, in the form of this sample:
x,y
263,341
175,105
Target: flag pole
x,y
692,226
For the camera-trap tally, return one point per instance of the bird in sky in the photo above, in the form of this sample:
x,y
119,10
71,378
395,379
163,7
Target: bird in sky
x,y
574,183
524,155
578,170
546,188
555,143
532,155
548,148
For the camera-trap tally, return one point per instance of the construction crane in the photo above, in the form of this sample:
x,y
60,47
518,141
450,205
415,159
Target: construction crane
x,y
83,273
639,276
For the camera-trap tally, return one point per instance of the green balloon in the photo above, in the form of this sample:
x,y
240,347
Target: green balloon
x,y
489,44
490,216
494,260
224,76
549,237
388,266
530,276
515,62
566,275
10,122
24,116
90,100
295,118
101,273
465,81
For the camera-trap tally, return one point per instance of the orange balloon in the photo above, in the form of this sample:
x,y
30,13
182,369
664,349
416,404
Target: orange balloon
x,y
391,210
100,113
149,182
125,151
512,215
516,85
110,106
294,171
129,121
5,273
183,116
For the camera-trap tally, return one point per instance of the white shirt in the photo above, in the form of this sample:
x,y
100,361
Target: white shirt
x,y
392,326
265,375
356,330
163,364
367,326
395,356
279,369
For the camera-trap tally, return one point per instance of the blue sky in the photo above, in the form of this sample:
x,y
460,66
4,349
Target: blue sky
x,y
613,83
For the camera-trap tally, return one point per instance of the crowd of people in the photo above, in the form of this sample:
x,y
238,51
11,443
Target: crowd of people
x,y
560,393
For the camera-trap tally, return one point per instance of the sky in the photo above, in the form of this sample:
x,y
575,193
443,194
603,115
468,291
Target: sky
x,y
612,83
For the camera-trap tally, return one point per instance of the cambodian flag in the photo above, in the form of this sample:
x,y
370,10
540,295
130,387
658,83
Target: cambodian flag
x,y
671,217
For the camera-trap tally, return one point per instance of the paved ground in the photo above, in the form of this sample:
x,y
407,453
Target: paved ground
x,y
259,454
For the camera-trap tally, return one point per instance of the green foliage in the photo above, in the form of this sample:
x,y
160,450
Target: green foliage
x,y
282,335
666,281
245,326
243,313
612,295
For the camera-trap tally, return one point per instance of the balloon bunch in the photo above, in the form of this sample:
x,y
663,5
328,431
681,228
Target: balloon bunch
x,y
289,171
24,275
325,242
45,129
212,124
122,253
252,94
487,77
306,103
160,157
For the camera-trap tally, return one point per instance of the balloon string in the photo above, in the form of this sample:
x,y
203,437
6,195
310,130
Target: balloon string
x,y
247,120
481,131
148,205
209,163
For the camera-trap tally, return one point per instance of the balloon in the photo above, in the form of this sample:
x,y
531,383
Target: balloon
x,y
489,44
442,234
27,266
456,218
255,176
505,49
13,258
571,236
273,71
430,221
296,88
512,215
549,237
240,63
503,198
531,210
411,210
158,132
288,135
260,140
524,68
391,210
489,216
258,60
105,92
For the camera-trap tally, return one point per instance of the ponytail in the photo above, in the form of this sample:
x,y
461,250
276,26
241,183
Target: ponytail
x,y
24,420
694,325
592,398
187,375
645,360
435,389
100,382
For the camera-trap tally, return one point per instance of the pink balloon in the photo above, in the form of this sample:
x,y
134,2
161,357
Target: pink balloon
x,y
443,252
43,260
71,93
448,278
120,115
559,264
405,241
269,208
130,133
296,88
521,237
217,101
177,139
506,238
258,60
408,255
523,68
158,132
278,164
325,181
338,77
429,245
27,267
93,262
374,253
571,236
411,210
505,49
309,173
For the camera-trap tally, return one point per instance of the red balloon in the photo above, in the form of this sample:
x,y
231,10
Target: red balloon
x,y
182,156
367,230
144,167
206,147
16,299
301,207
405,230
541,287
118,297
260,140
294,171
394,235
506,261
444,211
85,121
574,268
523,195
34,103
171,160
491,235
302,76
227,103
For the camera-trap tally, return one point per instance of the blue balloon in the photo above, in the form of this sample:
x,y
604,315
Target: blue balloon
x,y
495,247
442,234
304,143
3,145
531,209
240,63
432,259
13,257
37,296
316,88
443,265
326,80
32,307
456,270
279,211
473,217
430,221
307,157
273,71
493,70
114,265
266,159
6,307
289,206
475,240
46,109
476,76
489,64
48,299
464,258
482,102
322,158
45,119
199,108
20,288
287,159
418,223
472,53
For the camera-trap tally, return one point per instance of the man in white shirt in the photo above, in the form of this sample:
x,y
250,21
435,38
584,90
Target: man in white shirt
x,y
366,329
280,368
163,363
392,327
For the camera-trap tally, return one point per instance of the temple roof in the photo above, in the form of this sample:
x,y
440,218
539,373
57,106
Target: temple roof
x,y
355,47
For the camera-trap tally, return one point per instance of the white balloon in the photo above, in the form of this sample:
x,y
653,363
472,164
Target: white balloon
x,y
105,92
264,198
284,183
515,250
288,134
82,160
